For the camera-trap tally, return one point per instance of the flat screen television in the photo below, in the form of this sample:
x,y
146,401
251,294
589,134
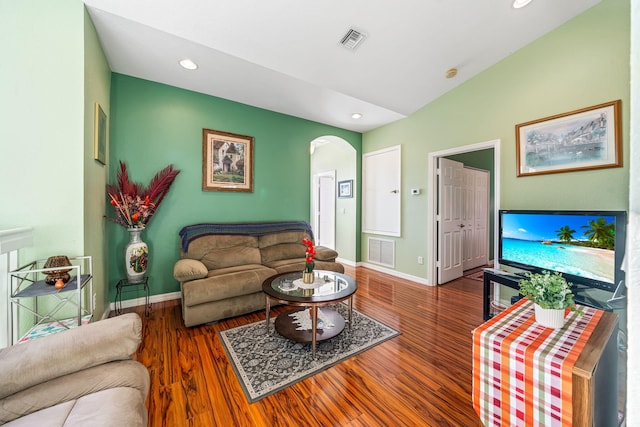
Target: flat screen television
x,y
587,247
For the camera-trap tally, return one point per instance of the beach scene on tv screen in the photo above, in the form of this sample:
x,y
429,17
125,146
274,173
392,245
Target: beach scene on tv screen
x,y
575,244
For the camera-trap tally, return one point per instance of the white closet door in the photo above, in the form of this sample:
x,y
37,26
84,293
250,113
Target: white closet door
x,y
476,218
381,192
481,224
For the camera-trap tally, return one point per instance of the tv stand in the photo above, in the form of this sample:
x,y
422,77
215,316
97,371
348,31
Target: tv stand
x,y
498,276
512,281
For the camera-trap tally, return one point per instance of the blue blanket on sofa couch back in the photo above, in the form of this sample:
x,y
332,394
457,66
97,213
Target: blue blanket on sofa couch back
x,y
191,232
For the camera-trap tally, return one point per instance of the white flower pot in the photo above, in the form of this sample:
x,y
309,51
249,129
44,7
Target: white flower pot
x,y
549,317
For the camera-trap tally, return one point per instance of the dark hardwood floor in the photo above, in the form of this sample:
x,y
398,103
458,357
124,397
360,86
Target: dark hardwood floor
x,y
420,378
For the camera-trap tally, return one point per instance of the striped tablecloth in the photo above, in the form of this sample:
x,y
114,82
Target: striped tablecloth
x,y
522,371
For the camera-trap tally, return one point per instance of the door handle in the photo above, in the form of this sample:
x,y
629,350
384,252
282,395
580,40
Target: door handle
x,y
395,191
461,226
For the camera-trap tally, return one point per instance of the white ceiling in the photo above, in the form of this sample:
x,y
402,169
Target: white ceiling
x,y
285,56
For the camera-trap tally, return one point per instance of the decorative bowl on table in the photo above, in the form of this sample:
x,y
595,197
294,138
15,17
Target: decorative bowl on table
x,y
53,276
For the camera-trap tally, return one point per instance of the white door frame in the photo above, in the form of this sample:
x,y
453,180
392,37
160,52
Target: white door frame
x,y
432,192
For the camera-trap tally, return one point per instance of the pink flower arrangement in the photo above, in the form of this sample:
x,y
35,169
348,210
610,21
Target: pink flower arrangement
x,y
310,253
135,204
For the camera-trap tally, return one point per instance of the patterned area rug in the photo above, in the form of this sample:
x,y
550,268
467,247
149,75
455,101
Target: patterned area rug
x,y
265,363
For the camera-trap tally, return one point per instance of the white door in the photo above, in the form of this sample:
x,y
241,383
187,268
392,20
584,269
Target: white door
x,y
450,220
468,214
475,241
325,209
381,191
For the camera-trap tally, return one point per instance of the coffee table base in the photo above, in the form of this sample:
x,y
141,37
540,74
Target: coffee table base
x,y
286,327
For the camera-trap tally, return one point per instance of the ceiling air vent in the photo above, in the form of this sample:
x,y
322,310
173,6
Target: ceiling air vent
x,y
352,39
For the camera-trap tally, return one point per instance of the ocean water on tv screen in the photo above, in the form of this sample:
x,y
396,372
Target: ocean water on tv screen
x,y
592,263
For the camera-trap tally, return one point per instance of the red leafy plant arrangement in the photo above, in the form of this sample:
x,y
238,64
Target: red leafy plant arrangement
x,y
135,204
310,253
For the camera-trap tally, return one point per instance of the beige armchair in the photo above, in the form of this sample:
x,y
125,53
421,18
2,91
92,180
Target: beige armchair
x,y
80,377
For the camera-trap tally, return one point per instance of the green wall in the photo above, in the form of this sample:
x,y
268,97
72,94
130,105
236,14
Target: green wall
x,y
49,80
97,83
153,125
584,62
41,135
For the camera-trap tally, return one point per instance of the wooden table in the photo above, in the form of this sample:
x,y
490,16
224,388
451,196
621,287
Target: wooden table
x,y
528,375
329,288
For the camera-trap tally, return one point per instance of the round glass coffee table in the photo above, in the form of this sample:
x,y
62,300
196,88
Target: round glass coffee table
x,y
329,287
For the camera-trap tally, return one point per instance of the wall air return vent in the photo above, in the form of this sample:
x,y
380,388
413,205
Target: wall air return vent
x,y
382,251
352,39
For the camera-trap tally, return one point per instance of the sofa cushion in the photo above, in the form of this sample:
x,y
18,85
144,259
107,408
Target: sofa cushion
x,y
221,251
34,362
127,374
284,237
225,283
53,416
119,406
282,251
189,269
325,254
231,257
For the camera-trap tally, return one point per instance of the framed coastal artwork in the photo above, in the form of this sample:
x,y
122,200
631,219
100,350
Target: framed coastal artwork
x,y
585,139
227,161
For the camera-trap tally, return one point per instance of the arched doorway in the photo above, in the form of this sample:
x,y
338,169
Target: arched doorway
x,y
333,161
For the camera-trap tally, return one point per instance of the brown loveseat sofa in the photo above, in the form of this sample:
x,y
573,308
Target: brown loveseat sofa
x,y
222,266
80,377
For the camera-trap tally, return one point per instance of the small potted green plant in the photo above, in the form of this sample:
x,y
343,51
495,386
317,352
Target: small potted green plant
x,y
551,294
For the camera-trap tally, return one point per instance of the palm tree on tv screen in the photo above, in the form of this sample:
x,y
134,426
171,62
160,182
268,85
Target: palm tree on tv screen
x,y
565,233
600,234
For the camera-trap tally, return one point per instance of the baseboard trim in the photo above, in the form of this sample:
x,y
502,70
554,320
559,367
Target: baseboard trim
x,y
419,280
152,299
177,295
346,262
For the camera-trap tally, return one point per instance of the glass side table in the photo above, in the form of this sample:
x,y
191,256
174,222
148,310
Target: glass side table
x,y
125,283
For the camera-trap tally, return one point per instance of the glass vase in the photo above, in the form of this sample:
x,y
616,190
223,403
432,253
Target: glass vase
x,y
308,277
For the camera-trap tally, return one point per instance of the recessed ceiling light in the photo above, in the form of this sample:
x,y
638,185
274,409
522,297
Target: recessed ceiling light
x,y
451,72
188,64
517,4
356,116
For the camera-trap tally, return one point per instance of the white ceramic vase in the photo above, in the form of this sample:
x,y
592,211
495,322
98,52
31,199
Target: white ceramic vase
x,y
136,256
549,317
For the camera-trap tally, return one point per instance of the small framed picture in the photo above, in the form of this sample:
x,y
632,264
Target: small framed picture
x,y
345,189
100,135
